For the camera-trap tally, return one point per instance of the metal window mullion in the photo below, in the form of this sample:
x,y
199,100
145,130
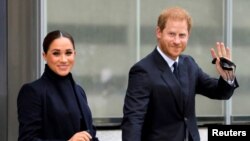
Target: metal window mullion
x,y
43,31
138,29
228,15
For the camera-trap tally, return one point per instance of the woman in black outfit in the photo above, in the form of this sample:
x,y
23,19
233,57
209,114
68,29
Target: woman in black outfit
x,y
54,107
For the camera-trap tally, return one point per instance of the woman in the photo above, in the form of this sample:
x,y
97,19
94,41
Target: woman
x,y
54,107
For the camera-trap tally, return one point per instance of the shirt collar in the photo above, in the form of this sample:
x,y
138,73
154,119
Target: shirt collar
x,y
166,58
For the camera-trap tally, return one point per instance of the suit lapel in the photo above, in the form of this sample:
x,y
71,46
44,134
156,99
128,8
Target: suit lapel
x,y
175,88
169,78
82,102
184,82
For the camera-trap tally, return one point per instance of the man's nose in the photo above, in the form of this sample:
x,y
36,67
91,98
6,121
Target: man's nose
x,y
177,39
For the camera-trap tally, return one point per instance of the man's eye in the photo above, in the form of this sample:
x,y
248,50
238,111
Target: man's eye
x,y
171,34
56,53
183,35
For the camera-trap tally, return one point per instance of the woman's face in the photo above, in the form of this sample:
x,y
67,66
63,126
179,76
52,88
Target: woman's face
x,y
60,56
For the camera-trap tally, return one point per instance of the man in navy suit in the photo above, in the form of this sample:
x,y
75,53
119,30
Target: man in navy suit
x,y
160,106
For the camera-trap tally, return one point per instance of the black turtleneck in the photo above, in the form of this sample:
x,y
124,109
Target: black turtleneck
x,y
65,87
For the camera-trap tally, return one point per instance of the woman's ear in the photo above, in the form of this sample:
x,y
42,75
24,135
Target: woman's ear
x,y
44,56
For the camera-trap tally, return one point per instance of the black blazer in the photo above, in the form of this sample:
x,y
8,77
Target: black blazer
x,y
158,107
53,108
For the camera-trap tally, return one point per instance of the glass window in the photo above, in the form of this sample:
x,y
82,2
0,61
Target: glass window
x,y
241,42
104,32
107,44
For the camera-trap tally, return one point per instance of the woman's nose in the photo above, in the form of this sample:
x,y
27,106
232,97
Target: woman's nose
x,y
63,58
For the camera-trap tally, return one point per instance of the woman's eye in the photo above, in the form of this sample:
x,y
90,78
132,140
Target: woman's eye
x,y
56,53
69,53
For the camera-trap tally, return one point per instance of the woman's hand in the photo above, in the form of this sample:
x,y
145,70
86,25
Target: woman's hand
x,y
81,136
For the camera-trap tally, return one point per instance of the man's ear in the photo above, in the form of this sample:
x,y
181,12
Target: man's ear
x,y
158,32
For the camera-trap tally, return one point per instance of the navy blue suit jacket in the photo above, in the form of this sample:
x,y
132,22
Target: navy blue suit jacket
x,y
47,110
158,107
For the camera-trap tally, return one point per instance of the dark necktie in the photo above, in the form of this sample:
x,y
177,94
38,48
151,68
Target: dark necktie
x,y
175,71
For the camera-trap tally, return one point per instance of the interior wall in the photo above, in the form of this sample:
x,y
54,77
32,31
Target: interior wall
x,y
3,69
23,54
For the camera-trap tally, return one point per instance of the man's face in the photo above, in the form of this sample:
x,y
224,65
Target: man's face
x,y
173,38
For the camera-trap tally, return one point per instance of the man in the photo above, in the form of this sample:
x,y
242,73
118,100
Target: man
x,y
160,106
